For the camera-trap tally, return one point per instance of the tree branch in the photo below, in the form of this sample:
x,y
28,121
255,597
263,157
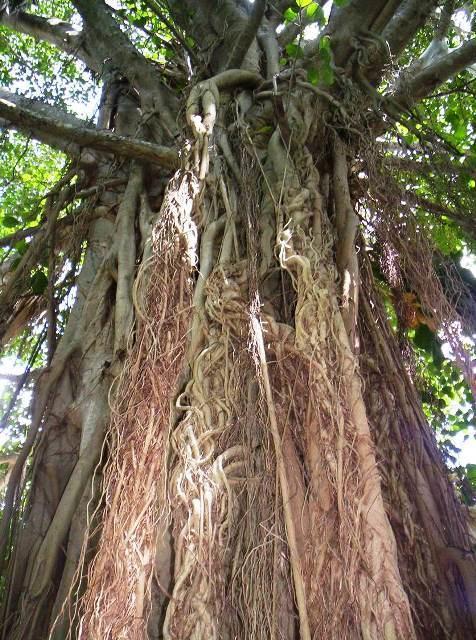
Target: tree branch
x,y
70,134
15,378
406,22
385,15
60,34
247,36
345,23
445,19
104,36
423,82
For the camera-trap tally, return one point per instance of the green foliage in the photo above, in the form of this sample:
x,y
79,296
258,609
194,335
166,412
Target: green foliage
x,y
313,12
38,282
294,50
27,170
147,31
38,70
470,473
290,15
323,71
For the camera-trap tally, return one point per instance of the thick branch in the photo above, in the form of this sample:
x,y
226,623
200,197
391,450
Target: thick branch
x,y
406,22
445,19
385,15
61,34
347,22
247,36
69,134
104,36
15,378
423,82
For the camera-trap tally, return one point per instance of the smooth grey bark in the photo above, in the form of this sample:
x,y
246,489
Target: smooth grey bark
x,y
421,83
61,34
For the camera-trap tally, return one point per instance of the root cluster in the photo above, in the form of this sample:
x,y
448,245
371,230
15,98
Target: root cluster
x,y
117,601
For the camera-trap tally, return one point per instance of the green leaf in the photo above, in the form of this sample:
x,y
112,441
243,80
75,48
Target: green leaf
x,y
10,222
290,15
325,44
294,50
424,338
327,75
21,247
313,76
311,9
303,3
341,3
316,12
141,21
471,473
38,282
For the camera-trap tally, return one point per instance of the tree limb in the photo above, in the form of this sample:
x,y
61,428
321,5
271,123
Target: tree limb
x,y
60,34
247,36
70,134
104,36
406,22
445,19
423,82
345,23
14,378
385,15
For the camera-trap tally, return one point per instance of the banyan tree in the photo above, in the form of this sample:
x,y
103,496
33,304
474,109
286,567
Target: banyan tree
x,y
237,291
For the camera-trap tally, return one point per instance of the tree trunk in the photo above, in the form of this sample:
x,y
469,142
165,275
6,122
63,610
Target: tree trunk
x,y
232,447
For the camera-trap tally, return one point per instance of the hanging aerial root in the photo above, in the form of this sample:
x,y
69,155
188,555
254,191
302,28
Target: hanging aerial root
x,y
346,224
208,462
208,469
418,496
320,405
407,260
117,601
289,517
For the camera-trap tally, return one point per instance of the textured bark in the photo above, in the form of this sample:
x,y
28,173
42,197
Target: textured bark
x,y
229,443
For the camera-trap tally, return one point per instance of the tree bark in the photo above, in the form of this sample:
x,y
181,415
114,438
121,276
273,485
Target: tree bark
x,y
227,443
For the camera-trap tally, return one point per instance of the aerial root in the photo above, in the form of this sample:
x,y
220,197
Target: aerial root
x,y
117,602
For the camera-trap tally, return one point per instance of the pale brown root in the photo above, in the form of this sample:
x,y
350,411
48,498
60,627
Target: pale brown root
x,y
117,601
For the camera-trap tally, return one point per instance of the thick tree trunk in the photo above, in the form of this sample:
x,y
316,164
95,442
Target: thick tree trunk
x,y
230,444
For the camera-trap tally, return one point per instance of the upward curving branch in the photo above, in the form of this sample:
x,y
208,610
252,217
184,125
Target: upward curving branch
x,y
421,83
408,18
396,24
113,48
247,36
60,34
